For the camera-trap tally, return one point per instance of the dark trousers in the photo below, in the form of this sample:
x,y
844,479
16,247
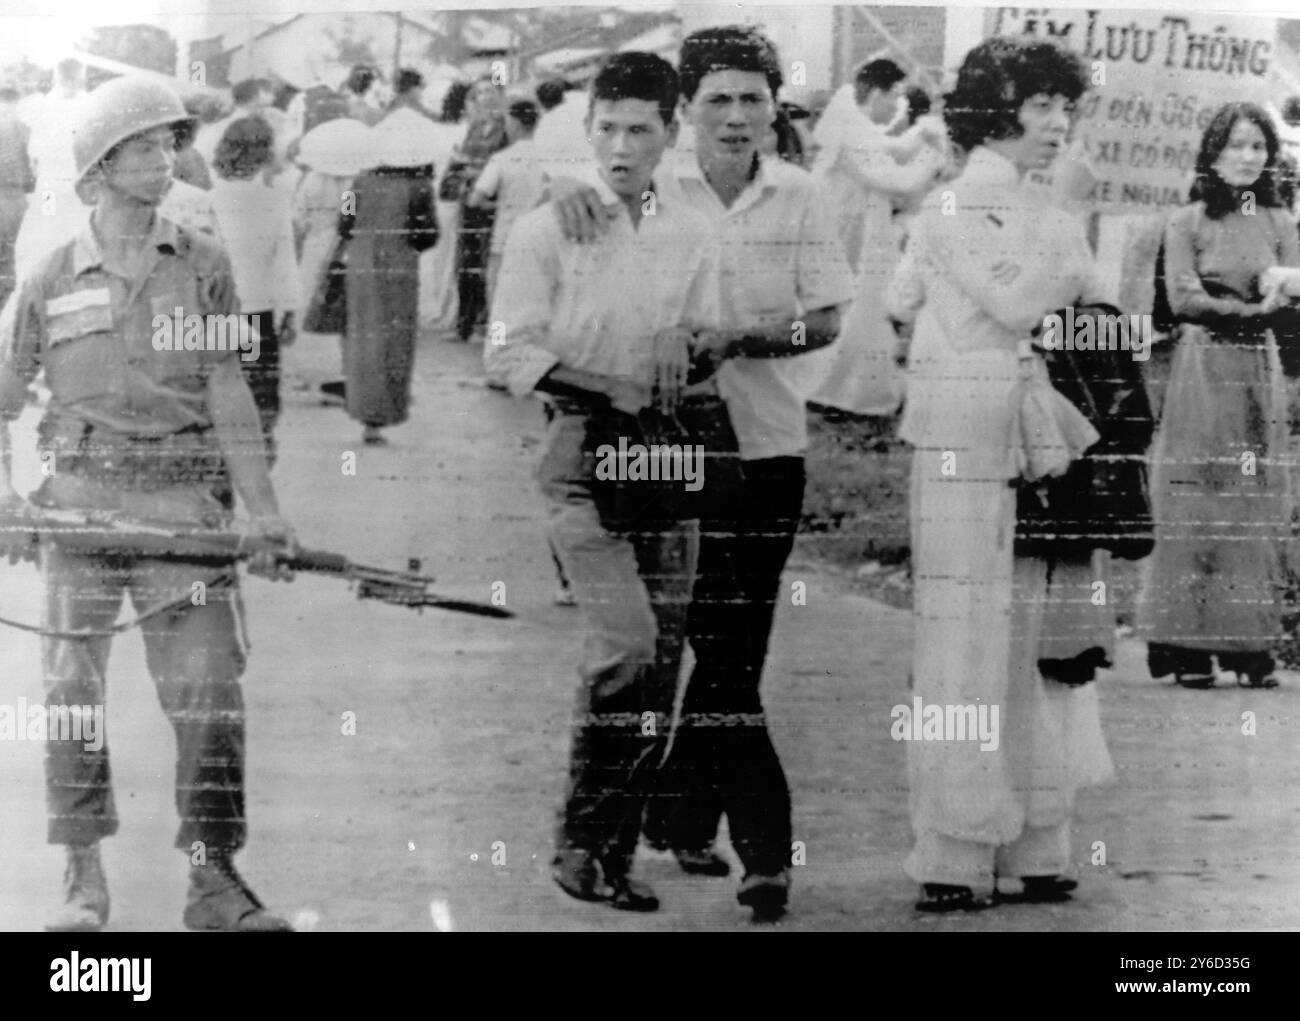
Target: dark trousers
x,y
472,244
263,378
722,757
630,570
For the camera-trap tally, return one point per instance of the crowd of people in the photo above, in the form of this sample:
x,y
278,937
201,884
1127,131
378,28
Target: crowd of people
x,y
671,257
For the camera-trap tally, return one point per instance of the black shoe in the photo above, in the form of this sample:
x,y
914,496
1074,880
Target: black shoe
x,y
1039,890
703,862
337,389
628,894
1257,679
766,895
577,873
940,898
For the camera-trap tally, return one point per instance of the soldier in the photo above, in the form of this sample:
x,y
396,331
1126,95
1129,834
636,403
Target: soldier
x,y
156,434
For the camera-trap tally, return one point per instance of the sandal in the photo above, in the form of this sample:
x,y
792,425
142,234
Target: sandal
x,y
940,898
1198,681
1039,890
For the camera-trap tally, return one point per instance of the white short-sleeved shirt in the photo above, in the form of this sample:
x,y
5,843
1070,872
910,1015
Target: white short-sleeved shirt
x,y
514,179
780,255
256,224
596,306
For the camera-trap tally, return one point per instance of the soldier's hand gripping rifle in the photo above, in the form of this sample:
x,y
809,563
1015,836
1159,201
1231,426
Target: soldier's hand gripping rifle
x,y
89,532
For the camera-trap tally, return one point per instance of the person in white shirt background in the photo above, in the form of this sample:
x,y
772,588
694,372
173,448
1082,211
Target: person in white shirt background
x,y
55,213
439,293
511,182
866,170
561,138
256,226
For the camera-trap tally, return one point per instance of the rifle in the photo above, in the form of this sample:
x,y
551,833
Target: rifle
x,y
108,532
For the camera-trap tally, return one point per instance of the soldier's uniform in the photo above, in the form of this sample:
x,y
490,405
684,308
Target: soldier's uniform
x,y
128,429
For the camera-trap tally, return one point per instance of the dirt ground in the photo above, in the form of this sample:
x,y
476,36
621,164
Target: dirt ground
x,y
437,812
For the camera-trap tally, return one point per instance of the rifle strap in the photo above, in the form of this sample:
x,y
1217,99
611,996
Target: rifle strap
x,y
156,610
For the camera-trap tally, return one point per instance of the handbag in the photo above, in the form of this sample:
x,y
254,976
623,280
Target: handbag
x,y
1103,499
327,312
701,429
421,219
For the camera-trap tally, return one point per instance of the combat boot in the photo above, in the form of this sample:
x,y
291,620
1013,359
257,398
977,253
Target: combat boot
x,y
220,901
85,907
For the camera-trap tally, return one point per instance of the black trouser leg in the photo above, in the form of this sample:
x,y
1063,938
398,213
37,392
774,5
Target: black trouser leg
x,y
723,759
1165,659
471,269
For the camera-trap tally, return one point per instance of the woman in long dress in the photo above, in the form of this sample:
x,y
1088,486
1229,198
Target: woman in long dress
x,y
864,171
393,223
994,815
1220,481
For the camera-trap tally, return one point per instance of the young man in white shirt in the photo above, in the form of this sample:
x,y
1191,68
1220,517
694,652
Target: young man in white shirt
x,y
784,277
603,329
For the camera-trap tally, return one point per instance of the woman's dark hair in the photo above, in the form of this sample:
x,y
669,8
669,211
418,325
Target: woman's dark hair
x,y
877,74
918,103
550,93
408,79
1221,198
729,48
361,78
453,103
525,112
247,146
997,77
247,90
637,76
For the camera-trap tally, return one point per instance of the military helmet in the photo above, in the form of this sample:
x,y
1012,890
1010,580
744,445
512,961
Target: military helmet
x,y
118,109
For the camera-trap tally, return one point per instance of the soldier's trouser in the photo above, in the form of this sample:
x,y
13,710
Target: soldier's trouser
x,y
195,654
632,582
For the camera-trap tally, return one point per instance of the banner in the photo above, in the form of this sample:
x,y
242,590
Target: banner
x,y
1157,79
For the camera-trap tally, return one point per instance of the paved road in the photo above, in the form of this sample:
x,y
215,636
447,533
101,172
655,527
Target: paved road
x,y
441,803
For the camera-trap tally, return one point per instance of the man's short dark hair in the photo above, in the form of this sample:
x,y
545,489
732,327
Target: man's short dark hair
x,y
877,74
997,77
525,112
636,75
360,78
408,80
551,93
246,91
247,146
729,48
